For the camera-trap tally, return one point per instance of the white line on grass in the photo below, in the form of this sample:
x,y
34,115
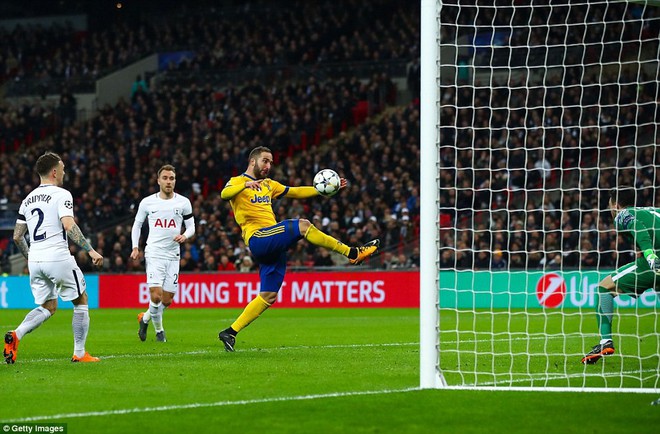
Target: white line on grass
x,y
289,348
205,405
292,348
540,376
221,350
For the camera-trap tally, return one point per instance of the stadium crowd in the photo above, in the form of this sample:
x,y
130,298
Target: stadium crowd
x,y
220,39
527,166
206,133
524,168
271,33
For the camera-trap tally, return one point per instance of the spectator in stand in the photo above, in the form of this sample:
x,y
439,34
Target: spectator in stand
x,y
322,258
225,264
67,108
210,264
389,260
402,263
498,261
139,88
117,264
482,260
245,265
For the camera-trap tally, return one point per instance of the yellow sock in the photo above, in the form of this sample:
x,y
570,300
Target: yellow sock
x,y
251,312
318,238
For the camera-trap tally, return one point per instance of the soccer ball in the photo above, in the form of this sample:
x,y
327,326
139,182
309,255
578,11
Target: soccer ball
x,y
327,182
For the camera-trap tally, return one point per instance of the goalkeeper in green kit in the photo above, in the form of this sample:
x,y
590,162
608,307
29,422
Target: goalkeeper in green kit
x,y
642,226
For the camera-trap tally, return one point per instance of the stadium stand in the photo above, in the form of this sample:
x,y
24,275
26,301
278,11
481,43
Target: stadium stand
x,y
204,128
204,125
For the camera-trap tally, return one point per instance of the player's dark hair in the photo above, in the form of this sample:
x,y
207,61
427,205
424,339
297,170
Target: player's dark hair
x,y
623,196
258,151
166,167
46,163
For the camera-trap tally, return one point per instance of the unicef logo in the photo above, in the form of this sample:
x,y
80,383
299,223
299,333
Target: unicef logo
x,y
551,290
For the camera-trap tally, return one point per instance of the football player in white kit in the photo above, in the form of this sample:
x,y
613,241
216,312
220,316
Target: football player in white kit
x,y
46,215
165,212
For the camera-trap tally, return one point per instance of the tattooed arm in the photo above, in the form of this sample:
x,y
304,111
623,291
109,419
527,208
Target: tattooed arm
x,y
75,234
19,238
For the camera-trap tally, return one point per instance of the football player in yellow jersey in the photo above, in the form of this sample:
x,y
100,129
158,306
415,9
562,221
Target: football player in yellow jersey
x,y
251,195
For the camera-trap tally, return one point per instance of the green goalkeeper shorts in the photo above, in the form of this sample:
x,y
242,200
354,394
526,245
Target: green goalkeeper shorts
x,y
635,277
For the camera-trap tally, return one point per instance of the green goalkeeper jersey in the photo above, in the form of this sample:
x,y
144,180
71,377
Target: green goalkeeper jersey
x,y
641,225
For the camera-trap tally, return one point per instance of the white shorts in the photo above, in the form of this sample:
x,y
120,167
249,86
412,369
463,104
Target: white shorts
x,y
163,273
49,280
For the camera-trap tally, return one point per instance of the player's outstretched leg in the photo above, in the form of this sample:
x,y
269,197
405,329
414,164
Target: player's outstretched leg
x,y
603,349
363,252
11,347
142,327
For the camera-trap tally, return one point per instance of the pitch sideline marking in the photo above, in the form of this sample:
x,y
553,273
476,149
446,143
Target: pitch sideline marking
x,y
208,404
536,377
298,347
221,350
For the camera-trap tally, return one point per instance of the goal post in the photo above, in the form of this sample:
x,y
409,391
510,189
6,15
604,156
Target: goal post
x,y
531,111
430,375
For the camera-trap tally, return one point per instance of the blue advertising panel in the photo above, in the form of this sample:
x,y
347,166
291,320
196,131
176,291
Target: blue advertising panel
x,y
15,293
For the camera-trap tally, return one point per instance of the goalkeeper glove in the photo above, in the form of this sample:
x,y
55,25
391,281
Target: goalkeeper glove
x,y
653,260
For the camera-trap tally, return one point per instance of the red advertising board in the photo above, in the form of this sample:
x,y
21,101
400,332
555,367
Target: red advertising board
x,y
326,289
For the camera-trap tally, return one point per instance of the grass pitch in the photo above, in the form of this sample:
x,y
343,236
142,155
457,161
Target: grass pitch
x,y
294,371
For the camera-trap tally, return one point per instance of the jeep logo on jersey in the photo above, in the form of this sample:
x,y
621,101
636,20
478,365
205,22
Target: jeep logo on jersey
x,y
551,290
260,199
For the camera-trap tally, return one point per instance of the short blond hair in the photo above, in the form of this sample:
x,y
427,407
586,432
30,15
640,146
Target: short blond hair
x,y
166,167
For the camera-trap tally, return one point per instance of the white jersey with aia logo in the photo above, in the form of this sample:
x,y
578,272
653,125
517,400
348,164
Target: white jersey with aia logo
x,y
42,211
165,219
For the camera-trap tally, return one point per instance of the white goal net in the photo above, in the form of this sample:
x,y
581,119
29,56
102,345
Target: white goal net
x,y
535,110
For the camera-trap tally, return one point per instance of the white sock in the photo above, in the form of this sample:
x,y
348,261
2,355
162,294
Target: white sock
x,y
32,320
80,324
156,312
147,315
162,313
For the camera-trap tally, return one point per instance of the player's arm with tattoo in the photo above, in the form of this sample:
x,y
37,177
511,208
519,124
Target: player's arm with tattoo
x,y
75,234
19,238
